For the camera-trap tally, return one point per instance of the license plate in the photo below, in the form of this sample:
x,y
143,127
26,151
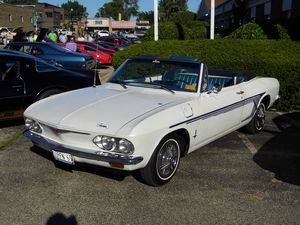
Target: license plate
x,y
63,157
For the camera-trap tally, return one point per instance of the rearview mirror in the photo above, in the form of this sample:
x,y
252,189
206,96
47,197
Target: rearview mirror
x,y
216,88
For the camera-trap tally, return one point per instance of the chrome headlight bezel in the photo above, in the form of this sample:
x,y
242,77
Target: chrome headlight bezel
x,y
118,145
33,125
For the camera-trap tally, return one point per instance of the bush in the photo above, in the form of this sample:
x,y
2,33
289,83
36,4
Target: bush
x,y
248,31
166,30
281,32
183,17
177,31
279,59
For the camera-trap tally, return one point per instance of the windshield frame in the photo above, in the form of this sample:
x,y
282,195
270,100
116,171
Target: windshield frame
x,y
193,87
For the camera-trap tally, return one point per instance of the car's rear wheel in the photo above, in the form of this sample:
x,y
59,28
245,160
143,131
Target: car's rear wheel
x,y
48,93
164,161
258,121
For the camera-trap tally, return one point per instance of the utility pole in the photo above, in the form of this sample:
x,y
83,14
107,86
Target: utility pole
x,y
212,20
155,20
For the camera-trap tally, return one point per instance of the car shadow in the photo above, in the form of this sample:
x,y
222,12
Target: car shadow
x,y
61,219
281,154
109,173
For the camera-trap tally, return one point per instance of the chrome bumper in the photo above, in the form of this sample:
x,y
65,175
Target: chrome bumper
x,y
102,156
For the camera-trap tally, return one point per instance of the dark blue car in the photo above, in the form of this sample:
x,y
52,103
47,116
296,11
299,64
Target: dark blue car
x,y
53,53
25,79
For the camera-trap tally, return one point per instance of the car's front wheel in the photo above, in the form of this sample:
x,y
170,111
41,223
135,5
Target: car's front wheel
x,y
164,161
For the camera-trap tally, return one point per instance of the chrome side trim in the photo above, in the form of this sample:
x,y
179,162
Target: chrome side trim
x,y
101,156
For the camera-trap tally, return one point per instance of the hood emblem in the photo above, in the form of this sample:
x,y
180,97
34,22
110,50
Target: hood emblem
x,y
102,125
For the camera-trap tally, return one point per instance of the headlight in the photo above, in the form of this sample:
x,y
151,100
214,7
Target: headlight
x,y
106,143
125,146
29,123
119,145
33,125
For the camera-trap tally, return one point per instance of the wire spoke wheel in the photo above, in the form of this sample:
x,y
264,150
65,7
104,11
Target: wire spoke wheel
x,y
167,159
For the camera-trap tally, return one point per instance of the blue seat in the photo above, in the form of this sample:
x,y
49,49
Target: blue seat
x,y
223,81
188,78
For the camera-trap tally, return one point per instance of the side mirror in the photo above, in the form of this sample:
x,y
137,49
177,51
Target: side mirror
x,y
216,88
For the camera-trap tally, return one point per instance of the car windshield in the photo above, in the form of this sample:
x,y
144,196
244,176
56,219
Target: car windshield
x,y
168,75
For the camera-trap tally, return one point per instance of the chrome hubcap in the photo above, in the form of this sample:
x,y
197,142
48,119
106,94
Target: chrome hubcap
x,y
167,159
260,118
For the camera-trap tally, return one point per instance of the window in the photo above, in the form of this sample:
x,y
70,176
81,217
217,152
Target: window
x,y
286,5
98,22
253,12
45,67
8,69
22,19
10,18
267,10
49,14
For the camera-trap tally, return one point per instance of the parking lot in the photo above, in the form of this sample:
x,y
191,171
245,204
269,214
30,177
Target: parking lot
x,y
239,179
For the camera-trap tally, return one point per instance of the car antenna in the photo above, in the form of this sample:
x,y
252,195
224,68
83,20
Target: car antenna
x,y
95,74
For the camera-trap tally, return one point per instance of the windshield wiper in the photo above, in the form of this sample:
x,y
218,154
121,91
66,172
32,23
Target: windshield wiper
x,y
122,83
161,86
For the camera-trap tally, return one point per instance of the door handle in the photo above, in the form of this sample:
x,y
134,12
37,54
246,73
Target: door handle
x,y
240,92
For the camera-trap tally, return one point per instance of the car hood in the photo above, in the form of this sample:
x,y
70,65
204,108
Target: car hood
x,y
104,109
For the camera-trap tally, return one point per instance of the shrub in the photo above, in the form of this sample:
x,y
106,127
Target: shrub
x,y
166,30
279,59
248,31
281,32
177,31
183,17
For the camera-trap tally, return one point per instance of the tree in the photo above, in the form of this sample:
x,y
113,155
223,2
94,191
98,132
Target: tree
x,y
20,2
147,16
74,10
169,7
127,8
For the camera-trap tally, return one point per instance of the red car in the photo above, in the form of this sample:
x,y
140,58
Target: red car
x,y
98,56
100,48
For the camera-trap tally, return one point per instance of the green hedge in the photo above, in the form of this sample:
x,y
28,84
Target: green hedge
x,y
248,31
279,59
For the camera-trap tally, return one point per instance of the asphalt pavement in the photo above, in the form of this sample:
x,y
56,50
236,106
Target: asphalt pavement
x,y
238,179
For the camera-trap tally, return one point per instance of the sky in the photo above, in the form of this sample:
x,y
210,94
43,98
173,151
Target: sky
x,y
93,5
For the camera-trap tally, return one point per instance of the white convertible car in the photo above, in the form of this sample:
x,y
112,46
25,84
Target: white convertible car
x,y
150,113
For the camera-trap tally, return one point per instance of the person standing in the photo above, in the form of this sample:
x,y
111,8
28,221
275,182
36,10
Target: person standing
x,y
71,45
52,35
62,38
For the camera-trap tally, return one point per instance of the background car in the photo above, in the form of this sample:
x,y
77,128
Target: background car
x,y
103,33
52,52
25,79
65,31
99,57
98,47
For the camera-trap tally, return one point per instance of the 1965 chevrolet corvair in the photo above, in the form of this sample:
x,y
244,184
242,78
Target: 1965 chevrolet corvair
x,y
151,112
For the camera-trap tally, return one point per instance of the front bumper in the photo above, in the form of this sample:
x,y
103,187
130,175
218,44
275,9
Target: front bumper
x,y
100,156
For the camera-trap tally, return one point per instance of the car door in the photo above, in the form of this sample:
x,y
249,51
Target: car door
x,y
11,90
219,112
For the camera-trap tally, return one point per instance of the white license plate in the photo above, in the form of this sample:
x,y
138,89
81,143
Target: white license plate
x,y
63,157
